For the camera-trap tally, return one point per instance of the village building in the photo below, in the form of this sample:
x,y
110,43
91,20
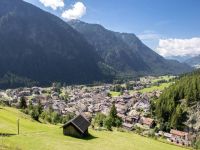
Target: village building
x,y
77,127
164,134
127,126
180,137
148,122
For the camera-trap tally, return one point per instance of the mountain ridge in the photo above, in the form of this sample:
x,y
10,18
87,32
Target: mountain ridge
x,y
43,47
194,61
128,47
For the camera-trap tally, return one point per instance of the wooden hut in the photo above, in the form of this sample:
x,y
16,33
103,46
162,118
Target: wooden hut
x,y
77,127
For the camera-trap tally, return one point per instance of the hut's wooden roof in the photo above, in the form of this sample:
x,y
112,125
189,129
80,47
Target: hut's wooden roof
x,y
80,122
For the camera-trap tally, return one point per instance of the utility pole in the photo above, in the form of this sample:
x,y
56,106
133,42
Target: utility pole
x,y
18,126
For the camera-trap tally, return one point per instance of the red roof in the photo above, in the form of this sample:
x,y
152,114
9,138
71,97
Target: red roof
x,y
147,121
178,133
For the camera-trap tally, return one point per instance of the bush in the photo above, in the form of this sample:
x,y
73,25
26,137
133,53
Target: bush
x,y
139,130
67,117
46,116
55,118
99,119
151,133
197,144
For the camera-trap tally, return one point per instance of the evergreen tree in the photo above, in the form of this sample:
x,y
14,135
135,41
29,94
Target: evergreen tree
x,y
108,123
174,101
35,113
22,103
113,111
112,119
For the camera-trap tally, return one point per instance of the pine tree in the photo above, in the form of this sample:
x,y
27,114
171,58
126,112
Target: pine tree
x,y
113,111
22,103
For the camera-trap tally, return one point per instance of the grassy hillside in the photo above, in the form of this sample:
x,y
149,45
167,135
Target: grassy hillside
x,y
38,136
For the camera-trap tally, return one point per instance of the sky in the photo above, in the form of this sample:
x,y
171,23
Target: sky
x,y
169,27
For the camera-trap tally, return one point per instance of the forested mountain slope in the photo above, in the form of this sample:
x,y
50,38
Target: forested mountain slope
x,y
179,105
37,45
125,53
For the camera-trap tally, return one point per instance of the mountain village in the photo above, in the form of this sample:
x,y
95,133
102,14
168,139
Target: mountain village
x,y
133,107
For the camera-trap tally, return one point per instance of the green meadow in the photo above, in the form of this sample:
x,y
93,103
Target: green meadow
x,y
160,87
154,88
114,94
37,136
167,78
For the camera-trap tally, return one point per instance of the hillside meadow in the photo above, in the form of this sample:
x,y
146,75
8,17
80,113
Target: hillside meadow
x,y
37,136
160,87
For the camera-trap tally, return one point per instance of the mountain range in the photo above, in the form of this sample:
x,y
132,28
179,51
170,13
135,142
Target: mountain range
x,y
194,61
39,46
125,53
42,47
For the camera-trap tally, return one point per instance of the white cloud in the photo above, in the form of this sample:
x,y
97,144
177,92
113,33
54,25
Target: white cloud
x,y
149,35
179,47
76,12
54,4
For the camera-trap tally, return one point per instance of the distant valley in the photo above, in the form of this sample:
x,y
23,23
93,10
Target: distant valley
x,y
194,61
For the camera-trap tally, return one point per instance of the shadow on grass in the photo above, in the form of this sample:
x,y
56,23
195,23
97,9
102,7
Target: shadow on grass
x,y
89,137
7,134
86,138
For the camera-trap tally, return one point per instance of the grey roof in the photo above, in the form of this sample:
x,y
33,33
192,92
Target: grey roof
x,y
80,122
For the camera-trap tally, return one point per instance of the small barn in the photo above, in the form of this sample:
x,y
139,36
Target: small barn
x,y
77,127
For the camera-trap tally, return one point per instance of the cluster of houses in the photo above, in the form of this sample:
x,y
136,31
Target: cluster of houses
x,y
88,100
134,109
177,137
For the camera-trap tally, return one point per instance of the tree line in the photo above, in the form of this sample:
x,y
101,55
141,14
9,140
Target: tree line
x,y
171,107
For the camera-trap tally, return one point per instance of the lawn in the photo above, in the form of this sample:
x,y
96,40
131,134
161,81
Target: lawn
x,y
36,136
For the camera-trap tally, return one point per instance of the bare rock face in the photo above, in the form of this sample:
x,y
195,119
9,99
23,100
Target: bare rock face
x,y
193,121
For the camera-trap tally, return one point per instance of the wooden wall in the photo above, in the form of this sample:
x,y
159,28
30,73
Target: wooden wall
x,y
71,131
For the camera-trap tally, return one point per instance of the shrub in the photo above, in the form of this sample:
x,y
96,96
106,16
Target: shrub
x,y
99,119
67,117
197,145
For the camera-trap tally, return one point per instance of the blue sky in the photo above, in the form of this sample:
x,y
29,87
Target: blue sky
x,y
170,27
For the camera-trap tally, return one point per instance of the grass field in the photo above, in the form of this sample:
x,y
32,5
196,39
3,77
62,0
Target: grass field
x,y
153,88
167,78
114,94
36,136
